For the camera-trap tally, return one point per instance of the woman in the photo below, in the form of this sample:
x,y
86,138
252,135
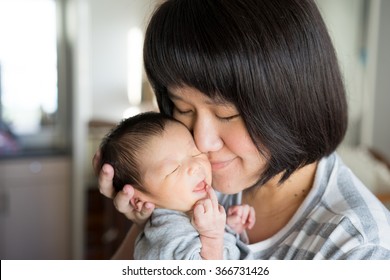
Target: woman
x,y
258,84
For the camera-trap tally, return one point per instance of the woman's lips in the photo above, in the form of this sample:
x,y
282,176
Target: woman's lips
x,y
217,165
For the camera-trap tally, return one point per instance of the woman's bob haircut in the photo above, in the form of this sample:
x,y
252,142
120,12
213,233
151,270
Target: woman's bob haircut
x,y
272,59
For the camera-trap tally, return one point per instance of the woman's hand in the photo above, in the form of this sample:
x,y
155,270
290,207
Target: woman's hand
x,y
138,212
123,200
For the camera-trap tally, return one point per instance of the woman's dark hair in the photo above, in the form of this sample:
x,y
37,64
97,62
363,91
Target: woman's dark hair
x,y
272,59
122,146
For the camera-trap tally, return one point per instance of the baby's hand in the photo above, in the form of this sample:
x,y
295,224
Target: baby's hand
x,y
241,217
209,218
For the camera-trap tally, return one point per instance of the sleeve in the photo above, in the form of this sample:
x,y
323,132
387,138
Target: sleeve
x,y
368,252
169,235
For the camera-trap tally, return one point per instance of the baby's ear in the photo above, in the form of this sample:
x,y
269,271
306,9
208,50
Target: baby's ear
x,y
133,202
137,198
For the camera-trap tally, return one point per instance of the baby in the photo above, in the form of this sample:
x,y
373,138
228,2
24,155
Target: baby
x,y
157,156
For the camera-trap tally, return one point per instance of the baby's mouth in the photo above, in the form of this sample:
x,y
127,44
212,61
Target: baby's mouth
x,y
201,187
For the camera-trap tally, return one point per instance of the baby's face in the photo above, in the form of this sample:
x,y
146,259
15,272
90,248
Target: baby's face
x,y
175,171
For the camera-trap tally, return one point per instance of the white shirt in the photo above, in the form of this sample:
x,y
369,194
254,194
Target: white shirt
x,y
339,219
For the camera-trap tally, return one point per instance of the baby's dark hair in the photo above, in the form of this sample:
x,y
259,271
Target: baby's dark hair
x,y
122,146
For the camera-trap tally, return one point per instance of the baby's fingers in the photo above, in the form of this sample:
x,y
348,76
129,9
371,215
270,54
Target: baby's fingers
x,y
221,209
199,208
213,197
235,210
245,213
209,206
251,218
198,214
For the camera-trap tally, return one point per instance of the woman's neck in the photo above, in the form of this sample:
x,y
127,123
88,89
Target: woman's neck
x,y
276,204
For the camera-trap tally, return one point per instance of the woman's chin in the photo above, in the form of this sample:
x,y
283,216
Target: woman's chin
x,y
227,186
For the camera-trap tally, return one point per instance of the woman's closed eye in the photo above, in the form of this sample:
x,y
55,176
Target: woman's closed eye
x,y
183,111
228,118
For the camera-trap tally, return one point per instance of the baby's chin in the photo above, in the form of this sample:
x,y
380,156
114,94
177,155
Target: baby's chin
x,y
188,208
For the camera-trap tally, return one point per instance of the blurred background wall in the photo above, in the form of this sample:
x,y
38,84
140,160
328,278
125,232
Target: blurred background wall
x,y
91,72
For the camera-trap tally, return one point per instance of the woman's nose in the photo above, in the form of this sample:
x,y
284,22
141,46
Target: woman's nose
x,y
206,136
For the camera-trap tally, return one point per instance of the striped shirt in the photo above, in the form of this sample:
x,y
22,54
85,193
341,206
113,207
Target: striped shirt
x,y
339,219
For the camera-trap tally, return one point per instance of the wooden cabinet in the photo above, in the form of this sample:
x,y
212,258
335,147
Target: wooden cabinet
x,y
35,208
106,227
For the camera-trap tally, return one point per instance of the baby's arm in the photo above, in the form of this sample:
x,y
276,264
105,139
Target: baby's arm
x,y
209,220
240,218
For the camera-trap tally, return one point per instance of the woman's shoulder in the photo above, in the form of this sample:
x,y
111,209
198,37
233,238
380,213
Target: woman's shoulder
x,y
348,208
344,192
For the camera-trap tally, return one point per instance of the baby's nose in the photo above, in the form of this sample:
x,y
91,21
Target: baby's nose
x,y
194,169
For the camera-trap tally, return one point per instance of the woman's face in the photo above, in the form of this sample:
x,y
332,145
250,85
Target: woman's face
x,y
220,132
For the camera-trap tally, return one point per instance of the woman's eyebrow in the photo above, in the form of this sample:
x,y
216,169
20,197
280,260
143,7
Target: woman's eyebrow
x,y
174,97
206,100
